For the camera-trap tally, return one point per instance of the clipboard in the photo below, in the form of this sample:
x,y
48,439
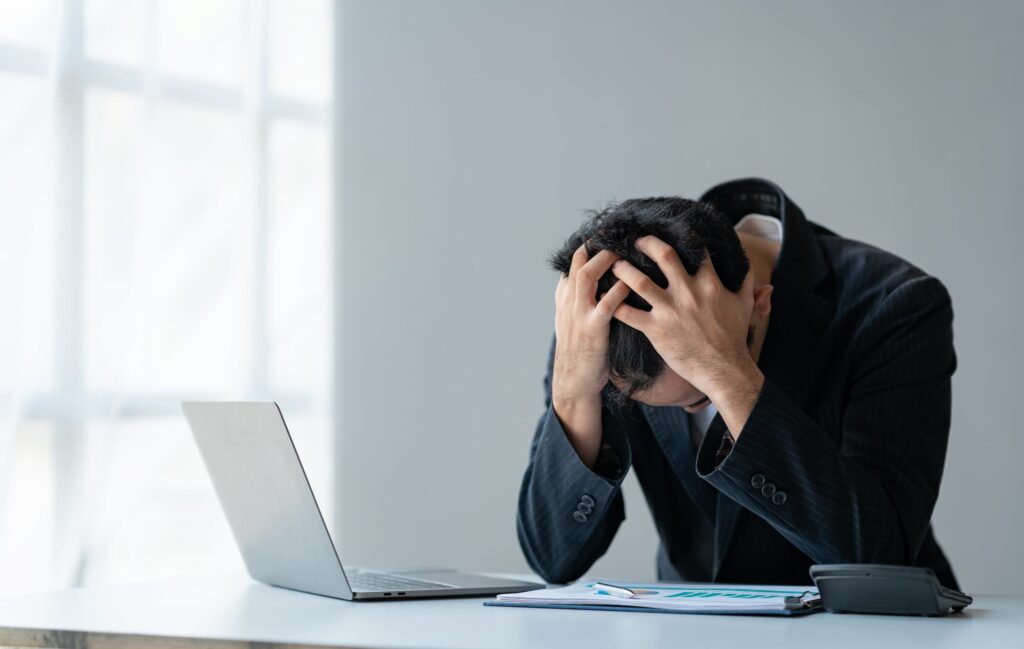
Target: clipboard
x,y
706,599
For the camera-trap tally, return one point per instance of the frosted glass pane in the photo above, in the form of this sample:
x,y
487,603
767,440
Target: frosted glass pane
x,y
26,234
300,48
115,31
201,39
168,247
155,513
299,259
29,23
27,511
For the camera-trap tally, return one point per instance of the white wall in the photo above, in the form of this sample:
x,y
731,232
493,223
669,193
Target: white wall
x,y
474,133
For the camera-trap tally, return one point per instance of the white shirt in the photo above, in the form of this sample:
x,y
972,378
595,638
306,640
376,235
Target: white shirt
x,y
761,226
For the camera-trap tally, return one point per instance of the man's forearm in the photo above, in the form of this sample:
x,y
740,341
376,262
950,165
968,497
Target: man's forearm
x,y
581,420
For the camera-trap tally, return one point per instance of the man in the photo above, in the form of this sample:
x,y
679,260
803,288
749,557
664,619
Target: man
x,y
784,396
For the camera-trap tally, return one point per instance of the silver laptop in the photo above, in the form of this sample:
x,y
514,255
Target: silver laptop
x,y
277,524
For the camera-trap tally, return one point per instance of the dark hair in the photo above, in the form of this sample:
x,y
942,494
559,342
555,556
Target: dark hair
x,y
689,227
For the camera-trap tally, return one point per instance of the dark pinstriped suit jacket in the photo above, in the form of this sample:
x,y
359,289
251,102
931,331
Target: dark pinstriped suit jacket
x,y
840,460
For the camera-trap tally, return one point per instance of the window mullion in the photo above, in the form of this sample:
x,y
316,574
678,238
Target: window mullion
x,y
69,154
22,60
259,123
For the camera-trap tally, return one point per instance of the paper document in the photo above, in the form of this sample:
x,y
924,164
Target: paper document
x,y
674,598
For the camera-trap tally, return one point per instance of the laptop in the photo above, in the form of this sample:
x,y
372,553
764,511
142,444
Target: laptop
x,y
277,523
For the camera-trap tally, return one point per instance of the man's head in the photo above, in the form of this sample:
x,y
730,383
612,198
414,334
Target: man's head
x,y
637,371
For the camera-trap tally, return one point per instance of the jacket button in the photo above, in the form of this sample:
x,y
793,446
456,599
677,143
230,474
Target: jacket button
x,y
584,508
768,490
757,481
587,500
579,516
779,497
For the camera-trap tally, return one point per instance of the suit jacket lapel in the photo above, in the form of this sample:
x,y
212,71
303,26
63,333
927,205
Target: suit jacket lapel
x,y
671,427
727,513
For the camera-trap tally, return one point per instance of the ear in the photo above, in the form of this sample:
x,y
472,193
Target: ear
x,y
763,300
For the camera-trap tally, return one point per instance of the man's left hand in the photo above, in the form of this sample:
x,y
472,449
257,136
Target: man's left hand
x,y
698,327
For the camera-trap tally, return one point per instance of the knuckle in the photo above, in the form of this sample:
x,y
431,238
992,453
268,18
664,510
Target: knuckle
x,y
664,255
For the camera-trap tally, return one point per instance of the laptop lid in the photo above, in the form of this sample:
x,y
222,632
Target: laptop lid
x,y
266,496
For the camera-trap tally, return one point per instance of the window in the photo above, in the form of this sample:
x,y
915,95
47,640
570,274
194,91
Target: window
x,y
165,213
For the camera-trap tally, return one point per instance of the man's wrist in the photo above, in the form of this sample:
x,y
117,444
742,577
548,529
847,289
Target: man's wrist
x,y
581,420
735,393
567,406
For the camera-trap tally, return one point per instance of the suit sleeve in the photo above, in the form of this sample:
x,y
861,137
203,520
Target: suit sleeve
x,y
567,513
864,493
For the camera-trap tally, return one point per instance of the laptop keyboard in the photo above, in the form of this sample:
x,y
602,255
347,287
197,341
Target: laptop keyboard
x,y
367,581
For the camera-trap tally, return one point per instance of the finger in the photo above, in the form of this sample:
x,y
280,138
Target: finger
x,y
579,258
591,273
560,286
643,285
612,299
665,257
707,277
707,266
632,317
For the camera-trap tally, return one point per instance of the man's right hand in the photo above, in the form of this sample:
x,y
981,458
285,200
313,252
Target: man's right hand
x,y
582,321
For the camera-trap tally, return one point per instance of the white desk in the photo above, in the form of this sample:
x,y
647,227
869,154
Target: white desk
x,y
233,612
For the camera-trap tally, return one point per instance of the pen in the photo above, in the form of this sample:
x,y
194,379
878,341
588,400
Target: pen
x,y
617,591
